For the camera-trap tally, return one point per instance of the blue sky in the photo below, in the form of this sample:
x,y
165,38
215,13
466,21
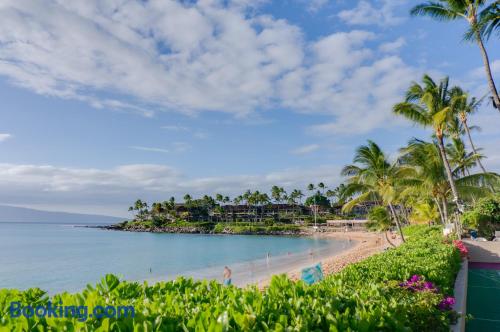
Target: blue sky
x,y
104,102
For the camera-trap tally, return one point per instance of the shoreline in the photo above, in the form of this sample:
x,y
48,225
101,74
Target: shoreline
x,y
365,245
368,244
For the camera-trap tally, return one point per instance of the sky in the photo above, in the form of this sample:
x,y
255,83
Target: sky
x,y
105,102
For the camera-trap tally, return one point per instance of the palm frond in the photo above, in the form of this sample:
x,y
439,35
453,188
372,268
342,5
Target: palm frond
x,y
435,10
355,201
412,112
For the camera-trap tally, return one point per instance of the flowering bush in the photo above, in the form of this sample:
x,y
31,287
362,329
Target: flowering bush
x,y
464,252
447,303
417,284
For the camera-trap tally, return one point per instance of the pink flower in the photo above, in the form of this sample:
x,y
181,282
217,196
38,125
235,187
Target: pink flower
x,y
447,303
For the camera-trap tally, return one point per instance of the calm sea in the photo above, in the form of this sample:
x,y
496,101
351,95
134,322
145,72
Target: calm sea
x,y
65,257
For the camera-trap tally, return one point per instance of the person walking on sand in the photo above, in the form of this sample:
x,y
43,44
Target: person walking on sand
x,y
227,276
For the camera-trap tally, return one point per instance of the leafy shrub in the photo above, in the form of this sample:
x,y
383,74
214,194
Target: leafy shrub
x,y
366,296
421,231
484,216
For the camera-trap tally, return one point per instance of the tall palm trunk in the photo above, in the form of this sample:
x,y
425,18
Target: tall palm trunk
x,y
445,209
389,241
448,168
463,118
441,215
395,216
487,68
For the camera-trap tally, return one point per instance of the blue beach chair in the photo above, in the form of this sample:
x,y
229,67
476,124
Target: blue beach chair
x,y
310,275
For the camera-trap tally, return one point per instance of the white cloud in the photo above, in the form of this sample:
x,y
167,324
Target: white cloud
x,y
191,57
393,46
306,149
112,190
154,54
4,137
315,5
349,83
150,149
175,128
366,13
175,147
478,73
183,129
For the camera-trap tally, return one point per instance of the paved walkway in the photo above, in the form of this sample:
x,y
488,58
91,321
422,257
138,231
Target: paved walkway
x,y
484,252
483,289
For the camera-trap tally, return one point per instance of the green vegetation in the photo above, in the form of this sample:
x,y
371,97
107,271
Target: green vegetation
x,y
484,216
430,181
483,20
206,227
365,296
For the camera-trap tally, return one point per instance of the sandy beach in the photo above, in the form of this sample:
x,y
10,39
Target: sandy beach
x,y
349,247
367,244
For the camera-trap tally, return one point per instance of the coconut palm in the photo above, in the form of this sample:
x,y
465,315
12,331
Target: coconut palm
x,y
426,159
322,187
379,220
461,160
462,107
424,213
429,105
472,11
489,20
373,178
430,179
188,199
141,207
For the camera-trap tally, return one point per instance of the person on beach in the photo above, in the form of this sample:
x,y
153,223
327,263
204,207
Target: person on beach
x,y
227,276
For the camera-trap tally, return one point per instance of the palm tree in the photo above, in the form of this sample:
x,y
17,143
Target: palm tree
x,y
276,194
373,178
430,179
424,213
489,20
247,197
322,187
238,199
311,188
471,11
426,159
380,221
463,106
141,208
300,195
330,194
429,105
460,158
219,198
188,200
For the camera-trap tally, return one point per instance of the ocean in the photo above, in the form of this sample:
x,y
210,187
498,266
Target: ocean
x,y
57,257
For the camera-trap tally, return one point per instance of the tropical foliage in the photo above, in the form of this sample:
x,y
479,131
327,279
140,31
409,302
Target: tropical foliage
x,y
482,19
365,296
484,216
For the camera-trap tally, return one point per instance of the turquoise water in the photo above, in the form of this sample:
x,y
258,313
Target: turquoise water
x,y
64,257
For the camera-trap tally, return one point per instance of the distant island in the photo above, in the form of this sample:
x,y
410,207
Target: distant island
x,y
25,215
